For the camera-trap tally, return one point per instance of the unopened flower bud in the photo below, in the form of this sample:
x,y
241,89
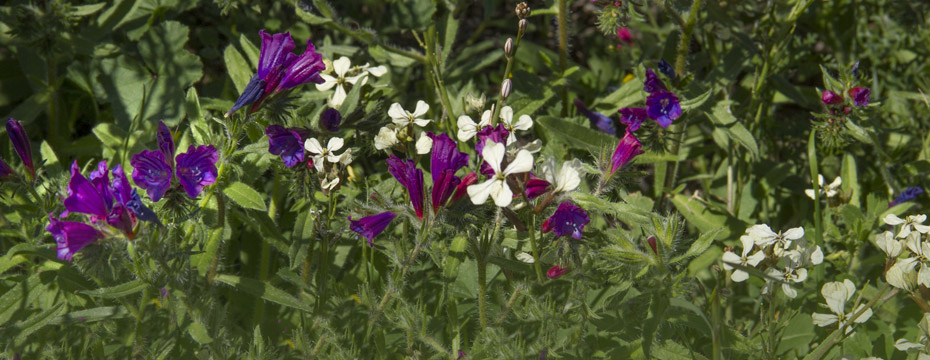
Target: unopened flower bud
x,y
506,88
508,48
522,25
652,244
522,10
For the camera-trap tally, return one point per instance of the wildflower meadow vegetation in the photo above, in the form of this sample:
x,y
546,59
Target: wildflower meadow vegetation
x,y
458,179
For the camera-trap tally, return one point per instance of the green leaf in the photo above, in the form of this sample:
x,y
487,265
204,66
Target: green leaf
x,y
124,289
198,332
84,10
37,322
700,245
628,94
739,133
263,290
575,135
705,218
851,179
239,70
91,315
696,101
245,196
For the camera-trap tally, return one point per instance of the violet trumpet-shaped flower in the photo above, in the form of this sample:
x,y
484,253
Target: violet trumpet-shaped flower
x,y
152,173
71,237
197,168
445,160
830,98
20,143
142,212
536,187
330,120
908,194
860,96
628,148
498,134
407,174
165,143
667,69
305,69
96,196
568,219
84,197
663,107
632,118
371,226
652,83
462,188
285,143
556,271
598,121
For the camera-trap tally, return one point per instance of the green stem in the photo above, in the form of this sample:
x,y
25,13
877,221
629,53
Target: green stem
x,y
510,303
403,272
508,72
532,231
812,158
140,315
482,291
685,42
563,50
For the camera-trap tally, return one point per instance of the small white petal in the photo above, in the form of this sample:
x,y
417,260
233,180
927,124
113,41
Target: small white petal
x,y
355,79
398,114
385,138
892,219
501,193
339,96
794,233
467,128
507,115
730,258
424,144
755,259
836,295
318,163
568,179
378,71
493,154
836,183
523,123
816,256
479,193
328,83
811,194
341,66
422,108
485,119
747,244
335,143
313,146
792,293
511,138
739,276
905,345
422,122
823,320
865,315
526,258
522,163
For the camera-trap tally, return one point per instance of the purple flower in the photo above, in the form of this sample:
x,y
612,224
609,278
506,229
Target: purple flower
x,y
633,118
152,173
407,174
598,121
663,107
860,96
20,143
275,53
250,94
536,187
5,170
667,69
84,197
305,69
460,190
628,148
568,219
624,35
197,168
498,134
285,143
70,236
908,194
652,83
371,226
462,355
556,271
165,143
831,98
445,160
330,119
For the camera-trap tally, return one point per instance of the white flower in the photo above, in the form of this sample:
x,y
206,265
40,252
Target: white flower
x,y
376,71
340,67
829,191
319,153
525,257
764,236
921,345
467,127
837,294
745,259
403,117
346,157
790,275
424,144
888,244
902,275
910,221
496,187
329,184
566,179
905,345
522,123
386,138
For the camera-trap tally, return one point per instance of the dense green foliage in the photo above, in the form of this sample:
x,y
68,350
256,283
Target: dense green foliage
x,y
264,263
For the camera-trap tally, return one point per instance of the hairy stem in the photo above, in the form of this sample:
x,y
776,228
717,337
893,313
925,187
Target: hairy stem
x,y
563,50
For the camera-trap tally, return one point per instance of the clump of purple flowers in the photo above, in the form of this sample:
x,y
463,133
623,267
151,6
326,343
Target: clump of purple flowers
x,y
155,170
661,105
279,70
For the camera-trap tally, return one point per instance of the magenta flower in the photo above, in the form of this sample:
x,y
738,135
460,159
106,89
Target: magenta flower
x,y
20,143
197,168
95,197
831,98
445,160
85,197
633,118
860,96
628,148
305,69
536,187
497,134
371,226
598,121
624,35
652,83
663,107
152,173
460,190
568,219
407,174
70,237
286,143
556,271
5,170
165,142
330,119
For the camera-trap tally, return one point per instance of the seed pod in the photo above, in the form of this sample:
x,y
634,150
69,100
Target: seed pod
x,y
506,88
522,10
508,48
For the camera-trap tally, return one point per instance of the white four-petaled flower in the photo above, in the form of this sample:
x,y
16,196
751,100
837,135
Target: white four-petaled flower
x,y
837,294
745,259
496,187
565,179
790,275
403,117
468,128
524,122
910,223
829,190
386,138
318,152
341,68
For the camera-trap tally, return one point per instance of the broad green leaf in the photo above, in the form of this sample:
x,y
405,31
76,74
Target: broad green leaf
x,y
198,332
91,315
37,322
124,289
84,10
628,94
706,219
576,135
696,101
263,290
245,196
851,179
238,68
739,133
701,244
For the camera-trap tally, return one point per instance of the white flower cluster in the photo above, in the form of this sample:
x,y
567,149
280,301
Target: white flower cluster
x,y
321,156
837,295
400,128
468,128
912,270
346,75
783,256
922,346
